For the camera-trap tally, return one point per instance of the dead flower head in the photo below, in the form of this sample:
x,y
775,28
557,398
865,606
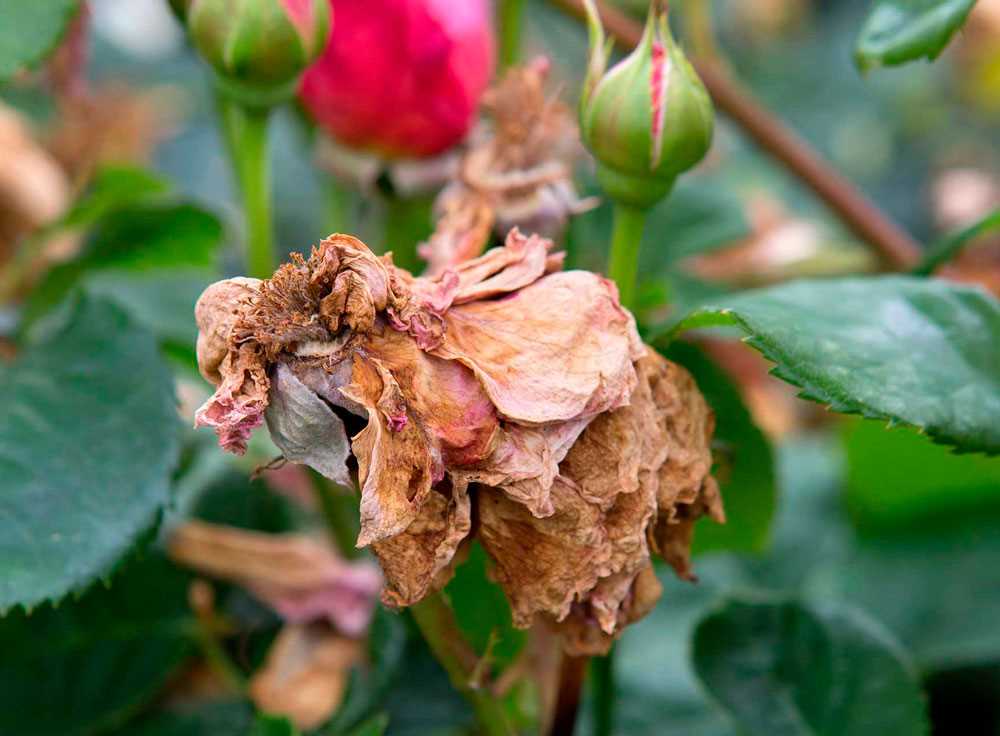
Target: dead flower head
x,y
504,399
516,173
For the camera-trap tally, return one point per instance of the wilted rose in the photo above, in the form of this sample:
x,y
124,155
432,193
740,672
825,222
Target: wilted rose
x,y
402,77
504,399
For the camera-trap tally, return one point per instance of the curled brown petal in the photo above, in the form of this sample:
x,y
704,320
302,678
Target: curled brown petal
x,y
419,560
396,463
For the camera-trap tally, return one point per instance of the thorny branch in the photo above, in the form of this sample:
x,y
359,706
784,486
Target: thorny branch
x,y
897,249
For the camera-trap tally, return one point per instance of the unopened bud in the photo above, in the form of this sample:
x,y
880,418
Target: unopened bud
x,y
647,119
258,48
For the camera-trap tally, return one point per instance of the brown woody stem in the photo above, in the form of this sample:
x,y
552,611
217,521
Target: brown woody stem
x,y
571,676
898,250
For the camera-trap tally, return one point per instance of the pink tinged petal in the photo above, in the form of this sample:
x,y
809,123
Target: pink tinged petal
x,y
521,261
559,349
525,463
442,396
300,577
658,80
237,406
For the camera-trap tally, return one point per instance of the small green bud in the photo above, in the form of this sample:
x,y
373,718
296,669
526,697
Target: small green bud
x,y
647,119
258,48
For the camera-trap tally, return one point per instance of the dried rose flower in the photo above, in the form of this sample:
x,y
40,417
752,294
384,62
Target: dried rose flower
x,y
519,173
503,399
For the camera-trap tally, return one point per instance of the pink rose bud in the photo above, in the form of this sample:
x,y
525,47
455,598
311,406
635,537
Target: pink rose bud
x,y
402,77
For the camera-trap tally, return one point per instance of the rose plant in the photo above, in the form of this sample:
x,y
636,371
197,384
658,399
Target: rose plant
x,y
622,435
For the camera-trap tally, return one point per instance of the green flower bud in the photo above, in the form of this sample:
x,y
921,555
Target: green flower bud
x,y
258,48
648,118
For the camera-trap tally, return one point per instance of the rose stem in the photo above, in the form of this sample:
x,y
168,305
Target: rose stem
x,y
897,249
339,508
245,131
571,677
339,206
602,674
511,15
623,263
436,622
407,222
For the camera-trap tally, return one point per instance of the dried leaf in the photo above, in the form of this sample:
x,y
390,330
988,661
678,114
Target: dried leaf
x,y
305,429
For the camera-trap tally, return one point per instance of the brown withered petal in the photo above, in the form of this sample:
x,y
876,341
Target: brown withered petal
x,y
216,313
396,462
518,173
305,675
582,631
543,565
418,560
559,349
526,461
620,479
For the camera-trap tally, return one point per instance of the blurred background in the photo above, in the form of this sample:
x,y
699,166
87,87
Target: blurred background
x,y
831,508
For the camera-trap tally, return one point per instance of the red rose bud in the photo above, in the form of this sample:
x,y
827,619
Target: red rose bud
x,y
648,118
402,78
258,48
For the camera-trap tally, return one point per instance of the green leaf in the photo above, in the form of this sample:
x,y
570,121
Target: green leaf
x,y
902,349
899,477
744,463
135,241
226,718
161,301
368,684
789,668
29,31
89,664
88,438
951,245
374,726
268,725
898,31
482,611
935,584
112,188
